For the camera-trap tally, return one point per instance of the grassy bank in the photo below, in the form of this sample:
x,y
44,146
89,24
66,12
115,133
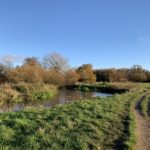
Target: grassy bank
x,y
144,105
103,87
140,95
98,123
12,93
91,124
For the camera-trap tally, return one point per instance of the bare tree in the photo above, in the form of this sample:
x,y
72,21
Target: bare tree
x,y
8,60
55,61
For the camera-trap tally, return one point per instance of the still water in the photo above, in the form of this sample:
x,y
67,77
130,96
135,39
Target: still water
x,y
62,97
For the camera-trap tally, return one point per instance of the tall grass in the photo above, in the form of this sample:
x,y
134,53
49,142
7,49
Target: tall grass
x,y
10,93
36,90
7,94
92,124
130,139
144,105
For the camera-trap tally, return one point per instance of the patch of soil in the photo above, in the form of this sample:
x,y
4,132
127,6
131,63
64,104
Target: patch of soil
x,y
142,129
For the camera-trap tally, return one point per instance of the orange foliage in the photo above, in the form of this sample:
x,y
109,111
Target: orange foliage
x,y
71,77
86,73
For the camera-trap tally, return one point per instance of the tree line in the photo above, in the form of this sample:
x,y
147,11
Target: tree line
x,y
54,69
133,74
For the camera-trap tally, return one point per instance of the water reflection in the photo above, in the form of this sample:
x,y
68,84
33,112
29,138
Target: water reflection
x,y
62,97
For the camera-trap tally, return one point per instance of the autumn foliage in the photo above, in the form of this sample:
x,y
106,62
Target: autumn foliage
x,y
54,69
86,73
134,74
32,71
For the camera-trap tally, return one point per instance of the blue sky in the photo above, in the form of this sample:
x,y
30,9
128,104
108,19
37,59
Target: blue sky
x,y
105,33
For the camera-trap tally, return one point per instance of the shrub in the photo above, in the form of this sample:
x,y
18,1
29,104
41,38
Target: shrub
x,y
7,94
86,73
71,77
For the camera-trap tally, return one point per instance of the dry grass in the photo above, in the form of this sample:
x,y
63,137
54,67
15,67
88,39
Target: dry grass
x,y
24,91
7,94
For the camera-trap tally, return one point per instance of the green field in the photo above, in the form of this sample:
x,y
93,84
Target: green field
x,y
94,124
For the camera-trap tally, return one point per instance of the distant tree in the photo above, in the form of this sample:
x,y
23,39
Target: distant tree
x,y
106,75
26,73
122,75
111,75
54,77
101,75
137,74
3,73
8,60
86,73
148,76
55,61
71,77
32,61
30,71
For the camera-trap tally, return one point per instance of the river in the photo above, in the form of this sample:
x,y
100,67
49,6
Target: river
x,y
63,96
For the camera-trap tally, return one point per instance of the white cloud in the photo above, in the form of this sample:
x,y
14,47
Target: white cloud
x,y
10,59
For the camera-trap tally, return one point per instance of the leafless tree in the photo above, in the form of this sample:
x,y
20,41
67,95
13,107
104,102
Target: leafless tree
x,y
8,60
55,61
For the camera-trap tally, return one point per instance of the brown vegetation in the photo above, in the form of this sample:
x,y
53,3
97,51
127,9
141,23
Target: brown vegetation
x,y
32,71
54,70
86,73
135,74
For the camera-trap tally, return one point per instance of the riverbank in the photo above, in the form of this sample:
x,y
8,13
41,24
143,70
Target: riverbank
x,y
14,93
79,125
25,92
96,123
104,87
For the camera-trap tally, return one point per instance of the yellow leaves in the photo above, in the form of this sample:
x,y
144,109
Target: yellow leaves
x,y
86,73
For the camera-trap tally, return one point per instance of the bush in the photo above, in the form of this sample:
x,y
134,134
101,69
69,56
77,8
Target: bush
x,y
71,77
10,93
86,73
7,94
35,91
54,77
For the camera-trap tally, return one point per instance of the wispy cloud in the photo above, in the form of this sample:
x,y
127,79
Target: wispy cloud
x,y
11,57
10,60
144,39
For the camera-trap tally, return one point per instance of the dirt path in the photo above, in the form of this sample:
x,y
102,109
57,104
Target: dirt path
x,y
143,129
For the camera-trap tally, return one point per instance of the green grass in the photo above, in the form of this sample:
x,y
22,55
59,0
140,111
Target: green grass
x,y
130,141
115,87
140,92
144,105
99,123
145,99
93,124
35,91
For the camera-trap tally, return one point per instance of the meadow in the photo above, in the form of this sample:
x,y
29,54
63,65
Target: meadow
x,y
98,123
